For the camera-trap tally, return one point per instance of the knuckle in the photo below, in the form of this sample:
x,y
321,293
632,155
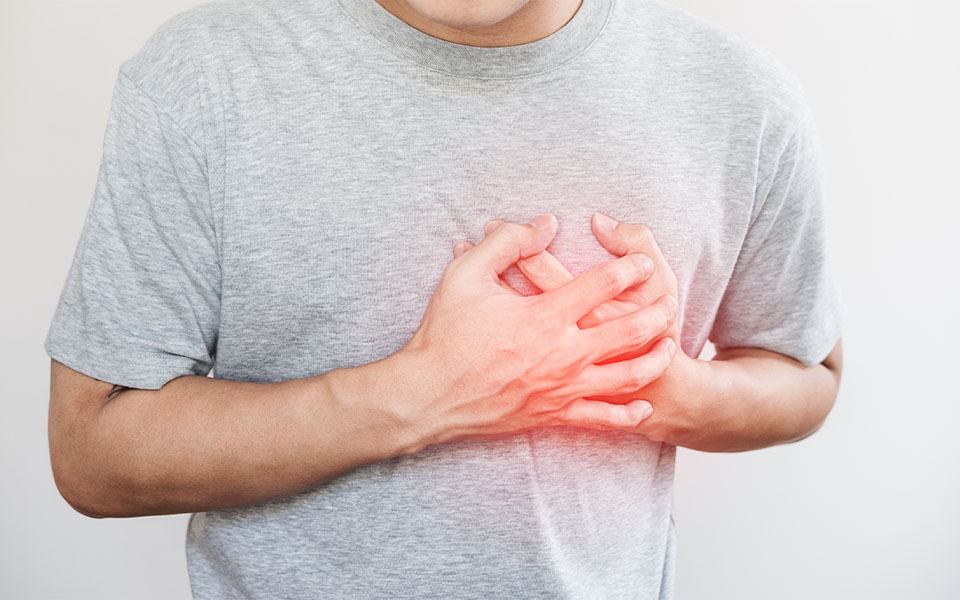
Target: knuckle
x,y
661,362
639,262
510,231
515,229
644,265
636,376
669,309
533,266
612,277
450,271
567,413
638,329
642,237
600,419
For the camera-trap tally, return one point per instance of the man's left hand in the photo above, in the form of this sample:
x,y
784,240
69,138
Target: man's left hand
x,y
676,394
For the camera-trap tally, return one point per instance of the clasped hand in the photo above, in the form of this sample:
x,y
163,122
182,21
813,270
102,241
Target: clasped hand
x,y
596,351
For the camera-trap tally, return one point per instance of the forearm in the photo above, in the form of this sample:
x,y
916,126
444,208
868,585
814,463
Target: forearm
x,y
202,444
749,399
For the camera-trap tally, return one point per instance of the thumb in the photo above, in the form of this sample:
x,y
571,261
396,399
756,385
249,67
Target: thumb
x,y
509,243
622,238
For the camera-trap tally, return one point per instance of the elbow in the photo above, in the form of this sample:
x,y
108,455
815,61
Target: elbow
x,y
84,483
75,490
87,474
828,402
96,491
826,398
81,474
83,510
810,432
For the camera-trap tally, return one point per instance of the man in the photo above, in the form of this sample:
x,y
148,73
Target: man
x,y
282,186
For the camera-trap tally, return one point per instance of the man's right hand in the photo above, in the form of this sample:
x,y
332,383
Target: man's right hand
x,y
486,363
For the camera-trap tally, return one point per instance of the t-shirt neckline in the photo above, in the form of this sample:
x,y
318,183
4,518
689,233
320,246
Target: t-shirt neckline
x,y
500,62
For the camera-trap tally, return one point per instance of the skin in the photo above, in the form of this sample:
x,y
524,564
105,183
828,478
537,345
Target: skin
x,y
488,362
589,352
484,22
745,398
742,399
485,363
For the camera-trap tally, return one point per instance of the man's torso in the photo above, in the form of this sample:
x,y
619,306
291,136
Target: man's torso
x,y
342,174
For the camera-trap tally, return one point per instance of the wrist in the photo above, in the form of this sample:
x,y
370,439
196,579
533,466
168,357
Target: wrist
x,y
421,394
699,391
689,409
378,395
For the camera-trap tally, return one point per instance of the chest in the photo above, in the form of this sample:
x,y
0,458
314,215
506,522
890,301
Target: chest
x,y
341,212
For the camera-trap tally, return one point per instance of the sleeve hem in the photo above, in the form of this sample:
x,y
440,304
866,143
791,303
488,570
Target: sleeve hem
x,y
807,354
139,371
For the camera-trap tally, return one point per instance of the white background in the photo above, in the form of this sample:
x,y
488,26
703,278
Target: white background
x,y
869,507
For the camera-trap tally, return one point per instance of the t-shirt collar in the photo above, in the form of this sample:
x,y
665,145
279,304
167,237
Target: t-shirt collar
x,y
462,60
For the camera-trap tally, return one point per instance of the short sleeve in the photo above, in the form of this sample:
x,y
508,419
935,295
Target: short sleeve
x,y
783,294
141,301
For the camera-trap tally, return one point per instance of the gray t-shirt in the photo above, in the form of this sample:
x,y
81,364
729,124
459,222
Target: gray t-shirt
x,y
282,185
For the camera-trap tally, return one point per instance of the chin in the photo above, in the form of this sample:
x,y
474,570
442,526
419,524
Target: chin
x,y
467,14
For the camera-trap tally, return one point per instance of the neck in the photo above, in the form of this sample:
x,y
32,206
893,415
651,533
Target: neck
x,y
535,20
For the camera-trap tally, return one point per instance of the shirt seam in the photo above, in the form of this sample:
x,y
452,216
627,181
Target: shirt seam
x,y
201,148
164,111
217,223
778,167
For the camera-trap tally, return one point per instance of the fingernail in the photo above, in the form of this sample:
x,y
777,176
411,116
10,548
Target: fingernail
x,y
674,305
542,222
646,263
671,347
604,222
491,226
646,412
459,248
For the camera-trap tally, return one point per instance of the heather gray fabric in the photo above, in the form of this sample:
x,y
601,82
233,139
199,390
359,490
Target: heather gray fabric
x,y
282,185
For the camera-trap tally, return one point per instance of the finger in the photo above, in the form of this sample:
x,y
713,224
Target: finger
x,y
612,309
630,331
461,249
544,271
625,377
491,226
595,414
579,296
509,243
622,238
548,273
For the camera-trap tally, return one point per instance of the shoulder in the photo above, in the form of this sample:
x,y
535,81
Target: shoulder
x,y
168,68
717,65
726,80
720,54
169,55
213,37
183,63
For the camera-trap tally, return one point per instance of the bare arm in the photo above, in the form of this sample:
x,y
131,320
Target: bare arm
x,y
743,399
204,444
484,363
756,398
